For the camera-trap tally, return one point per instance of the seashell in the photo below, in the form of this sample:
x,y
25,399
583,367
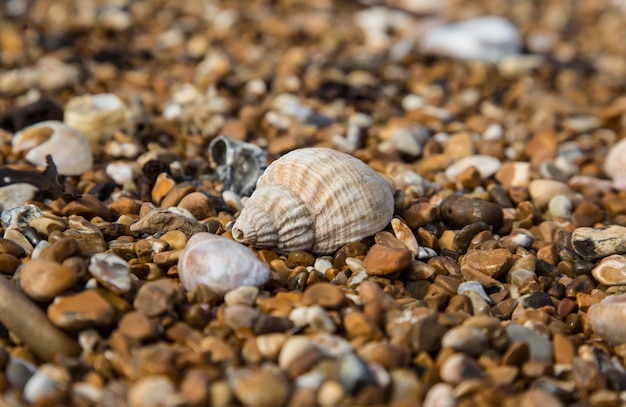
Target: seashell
x,y
219,263
68,147
238,164
607,318
96,116
314,199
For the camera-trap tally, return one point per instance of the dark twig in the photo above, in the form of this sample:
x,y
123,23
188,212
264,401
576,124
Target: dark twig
x,y
46,181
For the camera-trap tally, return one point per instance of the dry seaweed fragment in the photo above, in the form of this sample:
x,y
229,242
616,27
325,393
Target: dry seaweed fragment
x,y
47,181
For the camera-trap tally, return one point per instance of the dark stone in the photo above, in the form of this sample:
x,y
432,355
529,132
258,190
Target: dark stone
x,y
459,211
537,299
464,237
43,109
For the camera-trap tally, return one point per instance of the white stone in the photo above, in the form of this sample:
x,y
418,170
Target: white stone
x,y
487,38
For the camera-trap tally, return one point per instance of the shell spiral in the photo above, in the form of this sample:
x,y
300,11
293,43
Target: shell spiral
x,y
314,199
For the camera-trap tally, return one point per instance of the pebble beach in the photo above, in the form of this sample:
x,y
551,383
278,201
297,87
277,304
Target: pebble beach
x,y
463,244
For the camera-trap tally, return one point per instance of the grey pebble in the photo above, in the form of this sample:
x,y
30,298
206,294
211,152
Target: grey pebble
x,y
20,217
476,287
541,349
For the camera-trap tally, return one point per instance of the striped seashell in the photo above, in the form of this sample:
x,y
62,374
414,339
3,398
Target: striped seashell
x,y
314,199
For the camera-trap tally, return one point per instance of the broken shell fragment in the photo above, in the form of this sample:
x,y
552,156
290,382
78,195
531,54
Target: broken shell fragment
x,y
219,263
315,199
68,147
238,164
96,116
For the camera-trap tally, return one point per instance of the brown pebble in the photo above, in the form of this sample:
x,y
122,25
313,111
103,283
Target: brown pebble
x,y
12,248
517,354
136,325
564,350
8,263
420,214
42,280
157,297
357,325
300,258
354,249
198,204
383,260
459,211
60,250
195,387
324,294
81,310
88,206
124,206
494,263
176,194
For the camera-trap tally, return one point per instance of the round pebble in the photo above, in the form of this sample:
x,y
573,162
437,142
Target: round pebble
x,y
111,271
42,280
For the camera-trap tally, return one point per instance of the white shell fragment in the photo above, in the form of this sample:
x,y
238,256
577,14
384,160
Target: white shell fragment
x,y
314,199
219,263
96,116
68,147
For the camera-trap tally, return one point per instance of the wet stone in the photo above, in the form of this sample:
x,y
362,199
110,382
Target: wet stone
x,y
459,211
383,260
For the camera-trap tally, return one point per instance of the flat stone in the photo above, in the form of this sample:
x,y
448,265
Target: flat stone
x,y
88,206
81,310
383,260
494,263
163,220
592,243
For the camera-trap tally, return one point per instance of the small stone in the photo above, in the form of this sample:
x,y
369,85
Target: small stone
x,y
593,243
614,165
514,174
262,387
564,350
298,355
357,325
48,386
240,317
560,206
542,191
198,204
244,295
353,372
537,299
18,371
111,271
163,220
8,263
157,297
353,249
151,391
420,214
20,217
494,262
473,39
459,211
466,339
607,318
12,248
163,184
383,260
425,333
195,387
88,206
486,166
474,286
136,325
14,195
611,270
440,395
317,318
540,346
326,295
42,280
330,394
81,310
405,235
270,345
538,397
458,368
